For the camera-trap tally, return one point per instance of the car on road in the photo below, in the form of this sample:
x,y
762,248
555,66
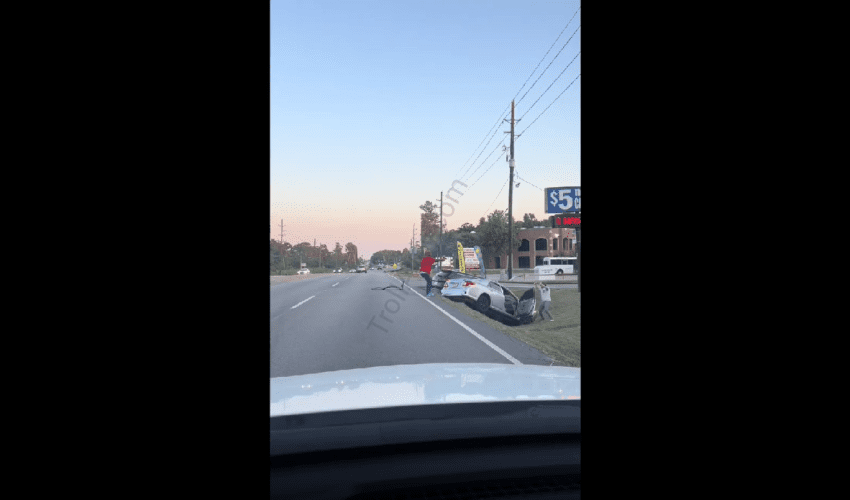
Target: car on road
x,y
352,271
304,271
488,295
338,270
361,269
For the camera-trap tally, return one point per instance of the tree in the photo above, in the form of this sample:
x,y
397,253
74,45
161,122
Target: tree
x,y
493,235
529,221
303,251
386,256
324,254
278,253
429,220
351,254
337,253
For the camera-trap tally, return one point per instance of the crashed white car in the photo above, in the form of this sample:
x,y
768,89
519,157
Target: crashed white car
x,y
488,295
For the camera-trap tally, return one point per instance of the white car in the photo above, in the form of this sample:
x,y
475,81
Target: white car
x,y
488,295
304,271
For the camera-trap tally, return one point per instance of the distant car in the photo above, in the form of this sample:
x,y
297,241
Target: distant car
x,y
361,269
304,271
352,271
488,295
338,270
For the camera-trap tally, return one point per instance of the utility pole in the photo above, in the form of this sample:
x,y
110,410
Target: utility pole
x,y
578,255
441,226
511,199
282,250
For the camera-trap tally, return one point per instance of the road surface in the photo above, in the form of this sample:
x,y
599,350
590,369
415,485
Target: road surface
x,y
343,321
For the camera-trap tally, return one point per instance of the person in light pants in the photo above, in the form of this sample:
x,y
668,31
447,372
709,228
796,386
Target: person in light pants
x,y
545,301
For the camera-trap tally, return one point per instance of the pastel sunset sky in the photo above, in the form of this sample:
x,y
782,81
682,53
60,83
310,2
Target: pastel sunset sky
x,y
379,105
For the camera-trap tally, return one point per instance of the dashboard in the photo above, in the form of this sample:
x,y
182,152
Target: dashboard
x,y
508,450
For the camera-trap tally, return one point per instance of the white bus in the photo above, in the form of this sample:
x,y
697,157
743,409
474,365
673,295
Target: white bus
x,y
556,265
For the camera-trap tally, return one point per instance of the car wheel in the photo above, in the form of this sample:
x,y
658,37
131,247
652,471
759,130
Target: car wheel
x,y
483,303
560,272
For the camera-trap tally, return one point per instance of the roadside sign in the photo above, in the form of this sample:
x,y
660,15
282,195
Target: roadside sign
x,y
470,259
561,200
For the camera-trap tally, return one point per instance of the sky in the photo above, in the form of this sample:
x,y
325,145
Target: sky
x,y
379,105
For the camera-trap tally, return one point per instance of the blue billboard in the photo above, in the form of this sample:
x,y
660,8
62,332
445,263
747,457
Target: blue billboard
x,y
561,200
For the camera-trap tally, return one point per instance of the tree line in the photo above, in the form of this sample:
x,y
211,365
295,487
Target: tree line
x,y
283,255
490,234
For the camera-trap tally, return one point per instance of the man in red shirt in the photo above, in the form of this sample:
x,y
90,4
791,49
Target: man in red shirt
x,y
425,271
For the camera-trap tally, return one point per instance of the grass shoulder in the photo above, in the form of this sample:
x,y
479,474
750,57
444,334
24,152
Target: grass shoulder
x,y
559,339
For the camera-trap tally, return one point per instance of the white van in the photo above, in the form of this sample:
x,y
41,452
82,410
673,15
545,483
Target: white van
x,y
556,266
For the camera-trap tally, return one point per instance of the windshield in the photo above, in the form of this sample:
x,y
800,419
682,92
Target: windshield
x,y
413,144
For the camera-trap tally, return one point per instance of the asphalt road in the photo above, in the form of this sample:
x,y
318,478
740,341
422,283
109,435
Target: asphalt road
x,y
339,322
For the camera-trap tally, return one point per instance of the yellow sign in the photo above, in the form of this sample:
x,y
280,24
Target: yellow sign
x,y
460,260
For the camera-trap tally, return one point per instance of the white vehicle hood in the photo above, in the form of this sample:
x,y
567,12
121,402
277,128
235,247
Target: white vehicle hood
x,y
422,384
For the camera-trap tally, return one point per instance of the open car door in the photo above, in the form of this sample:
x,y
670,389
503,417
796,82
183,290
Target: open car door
x,y
522,308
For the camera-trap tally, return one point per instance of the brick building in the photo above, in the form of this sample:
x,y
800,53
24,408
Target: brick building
x,y
534,245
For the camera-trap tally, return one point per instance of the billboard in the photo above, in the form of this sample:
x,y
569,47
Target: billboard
x,y
470,259
560,200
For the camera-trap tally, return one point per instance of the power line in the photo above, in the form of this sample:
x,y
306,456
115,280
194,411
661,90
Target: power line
x,y
482,142
485,159
482,151
549,87
496,198
498,120
492,133
525,180
544,57
550,104
488,169
550,63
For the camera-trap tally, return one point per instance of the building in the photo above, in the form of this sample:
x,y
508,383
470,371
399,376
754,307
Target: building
x,y
535,244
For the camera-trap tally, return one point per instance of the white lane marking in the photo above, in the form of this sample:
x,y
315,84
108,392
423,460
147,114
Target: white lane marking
x,y
335,284
470,330
303,301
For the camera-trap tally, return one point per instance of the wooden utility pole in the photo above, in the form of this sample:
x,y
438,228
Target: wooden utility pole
x,y
412,239
578,255
441,227
511,199
282,250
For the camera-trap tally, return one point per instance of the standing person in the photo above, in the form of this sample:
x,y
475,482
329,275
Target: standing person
x,y
546,301
425,271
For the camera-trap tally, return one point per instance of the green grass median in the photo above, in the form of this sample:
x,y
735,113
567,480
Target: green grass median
x,y
559,339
